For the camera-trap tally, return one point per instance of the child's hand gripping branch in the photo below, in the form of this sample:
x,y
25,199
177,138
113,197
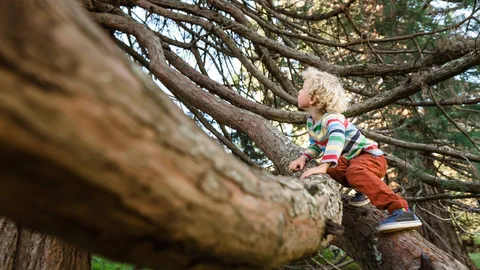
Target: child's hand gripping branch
x,y
346,154
320,169
299,164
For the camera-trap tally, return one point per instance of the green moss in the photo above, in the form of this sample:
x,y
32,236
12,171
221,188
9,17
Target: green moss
x,y
99,263
352,266
475,256
477,240
330,256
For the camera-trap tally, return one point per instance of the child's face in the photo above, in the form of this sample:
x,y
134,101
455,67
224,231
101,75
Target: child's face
x,y
304,97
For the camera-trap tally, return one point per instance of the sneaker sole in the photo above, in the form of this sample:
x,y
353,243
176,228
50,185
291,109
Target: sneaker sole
x,y
399,226
359,204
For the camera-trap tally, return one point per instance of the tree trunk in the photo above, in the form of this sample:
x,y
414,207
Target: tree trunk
x,y
94,153
22,248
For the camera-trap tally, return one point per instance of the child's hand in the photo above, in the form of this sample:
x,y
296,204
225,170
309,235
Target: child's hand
x,y
322,169
298,163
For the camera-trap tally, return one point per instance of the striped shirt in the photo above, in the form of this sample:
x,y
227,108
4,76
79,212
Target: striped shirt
x,y
335,136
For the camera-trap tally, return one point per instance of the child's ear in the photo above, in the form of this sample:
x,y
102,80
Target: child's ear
x,y
313,100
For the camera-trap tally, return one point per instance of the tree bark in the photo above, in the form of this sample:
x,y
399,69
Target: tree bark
x,y
401,250
22,248
102,159
99,157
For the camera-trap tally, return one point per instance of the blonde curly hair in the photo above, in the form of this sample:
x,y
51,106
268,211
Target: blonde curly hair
x,y
326,89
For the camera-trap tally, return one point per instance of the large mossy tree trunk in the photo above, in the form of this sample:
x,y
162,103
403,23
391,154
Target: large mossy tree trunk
x,y
94,153
24,249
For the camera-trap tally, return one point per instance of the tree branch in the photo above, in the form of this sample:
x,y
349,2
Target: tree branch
x,y
314,15
415,82
441,197
432,180
421,147
111,164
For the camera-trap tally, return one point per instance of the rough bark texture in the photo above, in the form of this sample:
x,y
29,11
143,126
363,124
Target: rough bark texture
x,y
403,250
104,160
22,248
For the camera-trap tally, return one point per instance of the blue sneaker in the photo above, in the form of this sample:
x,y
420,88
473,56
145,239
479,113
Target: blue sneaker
x,y
359,200
400,219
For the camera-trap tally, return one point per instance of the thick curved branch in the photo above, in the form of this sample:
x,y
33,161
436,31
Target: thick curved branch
x,y
95,153
232,96
415,84
432,180
473,98
421,147
255,126
205,82
229,43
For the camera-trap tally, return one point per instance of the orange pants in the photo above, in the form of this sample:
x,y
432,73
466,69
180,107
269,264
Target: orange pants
x,y
363,173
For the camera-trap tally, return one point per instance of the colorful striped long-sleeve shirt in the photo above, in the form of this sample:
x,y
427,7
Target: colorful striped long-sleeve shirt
x,y
334,136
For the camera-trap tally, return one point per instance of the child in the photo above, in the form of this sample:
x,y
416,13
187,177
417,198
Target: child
x,y
348,157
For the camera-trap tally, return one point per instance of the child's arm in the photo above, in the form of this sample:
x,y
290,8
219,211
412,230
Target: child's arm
x,y
313,151
320,169
333,149
336,140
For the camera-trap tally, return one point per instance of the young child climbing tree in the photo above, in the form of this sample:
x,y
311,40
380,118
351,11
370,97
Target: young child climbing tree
x,y
346,155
